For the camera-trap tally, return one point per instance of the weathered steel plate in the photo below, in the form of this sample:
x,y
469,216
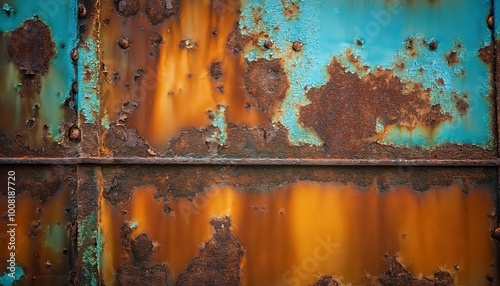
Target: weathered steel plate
x,y
37,75
294,79
44,223
208,225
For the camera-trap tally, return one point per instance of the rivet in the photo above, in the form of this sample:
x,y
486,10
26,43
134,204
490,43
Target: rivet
x,y
297,46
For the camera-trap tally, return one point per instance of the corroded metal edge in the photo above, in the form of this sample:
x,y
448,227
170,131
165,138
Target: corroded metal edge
x,y
251,161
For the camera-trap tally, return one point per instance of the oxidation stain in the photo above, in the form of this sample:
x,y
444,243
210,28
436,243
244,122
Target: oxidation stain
x,y
380,96
267,82
139,274
216,71
219,260
142,247
138,271
452,58
236,41
127,8
291,9
160,10
31,47
187,181
326,281
397,275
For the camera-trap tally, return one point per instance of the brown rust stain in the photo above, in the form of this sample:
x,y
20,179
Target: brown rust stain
x,y
347,100
326,281
140,274
292,214
219,260
160,10
452,58
397,274
267,82
31,47
291,9
127,8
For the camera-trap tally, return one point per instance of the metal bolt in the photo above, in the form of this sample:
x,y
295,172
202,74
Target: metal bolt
x,y
268,44
490,22
297,46
74,55
82,11
496,234
124,43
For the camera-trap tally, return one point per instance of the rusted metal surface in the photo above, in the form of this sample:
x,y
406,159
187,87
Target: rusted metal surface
x,y
37,105
313,92
45,219
266,88
270,222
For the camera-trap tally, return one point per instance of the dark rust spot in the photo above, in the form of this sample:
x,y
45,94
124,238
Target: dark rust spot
x,y
236,42
74,55
440,81
326,281
460,103
127,8
268,44
359,42
74,134
296,46
398,275
123,43
267,82
31,47
160,10
487,54
156,40
216,71
142,247
139,74
82,11
219,260
30,123
433,45
138,274
452,58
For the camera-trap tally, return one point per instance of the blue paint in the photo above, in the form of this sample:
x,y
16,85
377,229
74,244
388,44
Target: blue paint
x,y
60,16
219,121
330,28
88,100
7,280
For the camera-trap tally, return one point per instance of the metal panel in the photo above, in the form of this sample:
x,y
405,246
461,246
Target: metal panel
x,y
43,225
211,225
288,79
190,95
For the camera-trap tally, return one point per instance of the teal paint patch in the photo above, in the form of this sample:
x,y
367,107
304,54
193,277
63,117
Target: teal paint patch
x,y
496,20
55,237
88,81
219,121
60,16
376,32
8,280
304,69
89,243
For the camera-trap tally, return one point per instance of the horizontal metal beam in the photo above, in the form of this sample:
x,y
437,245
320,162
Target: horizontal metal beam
x,y
252,161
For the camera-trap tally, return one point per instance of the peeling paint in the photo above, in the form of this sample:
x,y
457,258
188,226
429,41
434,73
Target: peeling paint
x,y
7,280
88,81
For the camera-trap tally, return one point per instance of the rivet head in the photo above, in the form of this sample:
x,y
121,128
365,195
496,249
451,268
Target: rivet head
x,y
489,21
296,46
123,43
268,44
